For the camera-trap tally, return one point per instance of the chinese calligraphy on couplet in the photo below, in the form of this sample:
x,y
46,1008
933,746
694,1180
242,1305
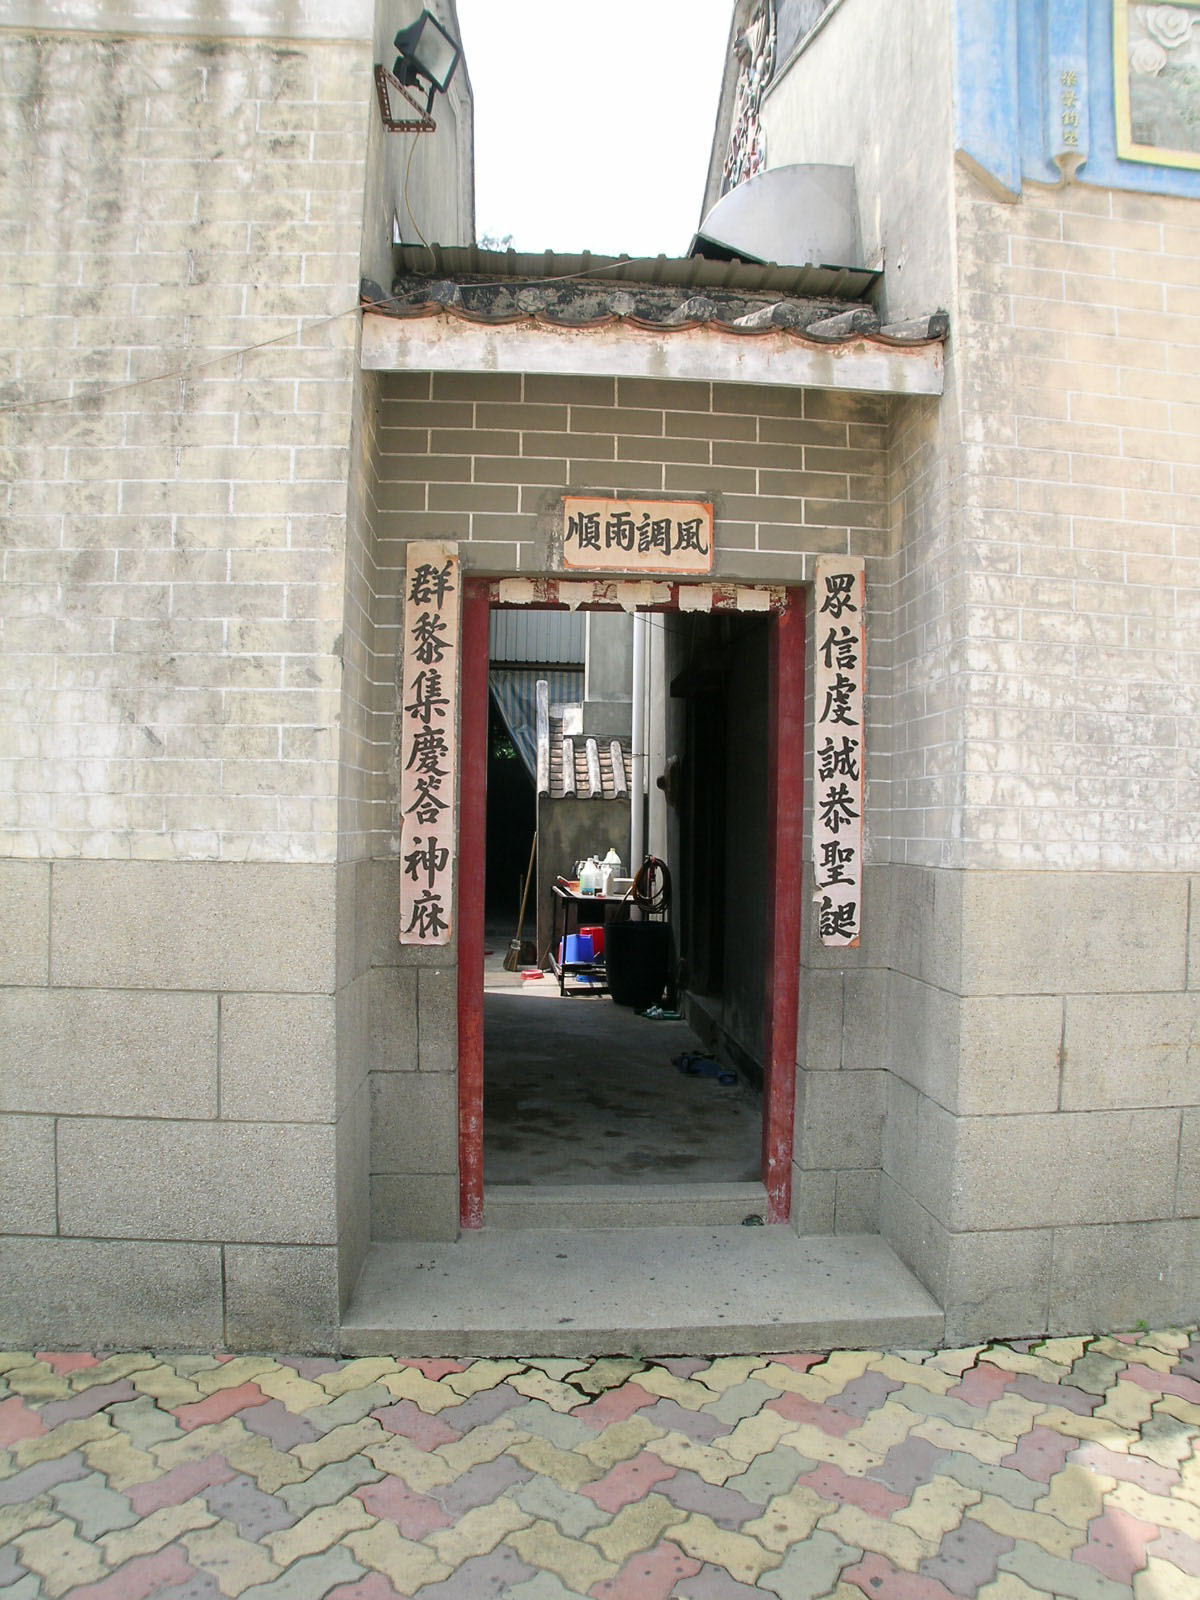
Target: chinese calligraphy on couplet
x,y
637,535
428,743
839,675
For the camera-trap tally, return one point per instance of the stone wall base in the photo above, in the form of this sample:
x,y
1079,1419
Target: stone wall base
x,y
1006,1068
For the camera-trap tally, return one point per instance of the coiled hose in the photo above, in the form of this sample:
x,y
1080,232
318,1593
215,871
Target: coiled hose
x,y
651,891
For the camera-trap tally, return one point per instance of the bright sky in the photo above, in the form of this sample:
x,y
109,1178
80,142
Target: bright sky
x,y
593,119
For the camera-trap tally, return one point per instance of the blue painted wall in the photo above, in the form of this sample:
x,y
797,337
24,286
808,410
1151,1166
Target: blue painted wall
x,y
1034,98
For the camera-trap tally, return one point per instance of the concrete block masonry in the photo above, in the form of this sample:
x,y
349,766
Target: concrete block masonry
x,y
201,991
194,925
177,557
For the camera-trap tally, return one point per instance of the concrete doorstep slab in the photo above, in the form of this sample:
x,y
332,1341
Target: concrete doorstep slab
x,y
652,1291
610,1205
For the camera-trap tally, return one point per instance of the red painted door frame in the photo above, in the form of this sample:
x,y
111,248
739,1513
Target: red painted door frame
x,y
785,859
472,828
785,820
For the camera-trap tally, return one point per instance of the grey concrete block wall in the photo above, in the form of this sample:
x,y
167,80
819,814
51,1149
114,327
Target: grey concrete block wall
x,y
273,1291
1038,1054
180,662
414,1205
1131,1050
1124,1274
351,1077
133,1178
842,1115
352,1155
844,1053
185,1016
485,457
1074,932
414,1124
96,1052
275,1057
1072,1167
187,1107
1187,1195
993,1280
976,1055
206,925
92,1294
393,1019
24,921
413,1087
28,1194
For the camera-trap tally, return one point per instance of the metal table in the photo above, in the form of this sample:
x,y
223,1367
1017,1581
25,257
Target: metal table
x,y
578,977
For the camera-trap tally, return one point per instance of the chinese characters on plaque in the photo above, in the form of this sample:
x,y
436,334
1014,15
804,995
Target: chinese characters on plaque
x,y
637,535
428,743
839,672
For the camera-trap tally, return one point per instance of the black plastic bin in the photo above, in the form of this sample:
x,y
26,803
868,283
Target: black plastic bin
x,y
637,957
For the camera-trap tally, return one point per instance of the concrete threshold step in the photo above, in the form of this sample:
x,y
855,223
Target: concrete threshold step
x,y
630,1205
636,1291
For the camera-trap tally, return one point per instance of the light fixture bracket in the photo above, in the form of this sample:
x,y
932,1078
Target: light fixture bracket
x,y
385,82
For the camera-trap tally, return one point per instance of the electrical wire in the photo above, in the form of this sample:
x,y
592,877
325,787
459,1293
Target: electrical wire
x,y
412,150
303,325
102,391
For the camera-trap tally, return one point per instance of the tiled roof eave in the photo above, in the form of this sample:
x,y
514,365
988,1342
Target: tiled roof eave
x,y
927,331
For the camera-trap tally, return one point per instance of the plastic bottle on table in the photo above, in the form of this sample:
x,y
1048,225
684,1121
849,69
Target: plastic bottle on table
x,y
611,866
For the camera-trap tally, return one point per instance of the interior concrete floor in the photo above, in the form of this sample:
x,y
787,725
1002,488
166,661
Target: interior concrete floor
x,y
579,1090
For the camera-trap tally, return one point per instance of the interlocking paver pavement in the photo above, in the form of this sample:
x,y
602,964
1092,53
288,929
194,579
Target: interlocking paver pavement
x,y
1021,1471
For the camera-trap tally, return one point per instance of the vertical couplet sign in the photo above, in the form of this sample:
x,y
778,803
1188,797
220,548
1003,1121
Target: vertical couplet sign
x,y
428,743
839,675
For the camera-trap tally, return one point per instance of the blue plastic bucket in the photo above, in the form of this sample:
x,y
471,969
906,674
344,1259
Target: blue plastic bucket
x,y
576,947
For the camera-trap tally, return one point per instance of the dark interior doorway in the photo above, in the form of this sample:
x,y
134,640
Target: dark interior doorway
x,y
511,821
720,703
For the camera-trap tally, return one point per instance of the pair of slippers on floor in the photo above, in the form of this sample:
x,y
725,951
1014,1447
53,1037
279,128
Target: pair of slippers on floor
x,y
695,1064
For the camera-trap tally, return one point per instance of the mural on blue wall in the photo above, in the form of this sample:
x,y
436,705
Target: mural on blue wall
x,y
1157,63
1103,92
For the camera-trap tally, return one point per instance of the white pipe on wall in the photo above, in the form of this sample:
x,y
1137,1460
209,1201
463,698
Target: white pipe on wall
x,y
637,787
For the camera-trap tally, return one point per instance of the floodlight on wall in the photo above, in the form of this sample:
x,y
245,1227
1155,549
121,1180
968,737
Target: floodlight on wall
x,y
427,54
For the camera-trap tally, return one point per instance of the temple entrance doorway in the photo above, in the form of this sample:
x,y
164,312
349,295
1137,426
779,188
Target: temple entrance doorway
x,y
574,1104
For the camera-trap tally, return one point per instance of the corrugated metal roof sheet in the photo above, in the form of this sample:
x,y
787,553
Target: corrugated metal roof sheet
x,y
682,272
532,634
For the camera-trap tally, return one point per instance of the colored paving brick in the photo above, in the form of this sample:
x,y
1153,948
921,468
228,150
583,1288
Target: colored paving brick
x,y
1116,1544
628,1481
1028,1471
18,1421
650,1575
415,1515
224,1403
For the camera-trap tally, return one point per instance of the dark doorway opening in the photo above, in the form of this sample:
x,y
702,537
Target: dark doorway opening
x,y
511,821
719,699
761,657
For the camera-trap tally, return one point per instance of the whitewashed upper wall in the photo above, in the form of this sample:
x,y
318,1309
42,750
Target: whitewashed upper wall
x,y
436,185
262,19
872,89
177,364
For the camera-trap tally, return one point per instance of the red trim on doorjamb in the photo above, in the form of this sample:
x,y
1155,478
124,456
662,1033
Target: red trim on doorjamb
x,y
472,827
785,845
